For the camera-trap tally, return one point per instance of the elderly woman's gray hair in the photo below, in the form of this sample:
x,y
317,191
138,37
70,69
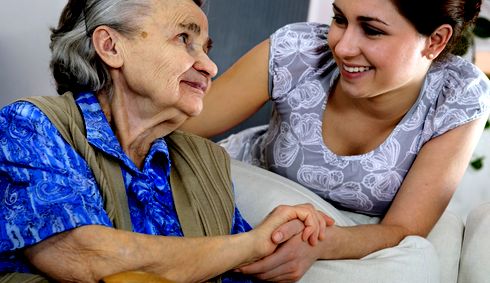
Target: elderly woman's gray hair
x,y
74,62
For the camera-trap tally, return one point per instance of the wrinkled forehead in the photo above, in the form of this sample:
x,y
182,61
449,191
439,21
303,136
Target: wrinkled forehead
x,y
180,13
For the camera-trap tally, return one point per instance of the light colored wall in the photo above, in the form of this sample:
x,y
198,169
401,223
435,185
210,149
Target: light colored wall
x,y
484,44
320,11
24,47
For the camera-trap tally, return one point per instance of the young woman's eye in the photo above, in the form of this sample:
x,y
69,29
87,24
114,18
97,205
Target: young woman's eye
x,y
339,20
183,38
371,31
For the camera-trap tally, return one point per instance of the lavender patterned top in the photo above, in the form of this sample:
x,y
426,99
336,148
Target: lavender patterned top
x,y
302,72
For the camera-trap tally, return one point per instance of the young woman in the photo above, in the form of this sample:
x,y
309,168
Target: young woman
x,y
375,115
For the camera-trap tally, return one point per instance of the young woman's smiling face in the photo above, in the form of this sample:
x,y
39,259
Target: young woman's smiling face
x,y
377,50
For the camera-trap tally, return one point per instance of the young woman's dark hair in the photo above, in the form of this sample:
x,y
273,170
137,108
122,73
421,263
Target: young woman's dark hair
x,y
427,15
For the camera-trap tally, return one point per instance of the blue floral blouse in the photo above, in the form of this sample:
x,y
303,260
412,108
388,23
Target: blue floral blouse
x,y
46,187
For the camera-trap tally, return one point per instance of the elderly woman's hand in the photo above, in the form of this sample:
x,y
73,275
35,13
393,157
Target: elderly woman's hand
x,y
309,215
285,222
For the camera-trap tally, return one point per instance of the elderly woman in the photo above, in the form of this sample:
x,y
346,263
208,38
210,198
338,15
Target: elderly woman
x,y
376,115
75,167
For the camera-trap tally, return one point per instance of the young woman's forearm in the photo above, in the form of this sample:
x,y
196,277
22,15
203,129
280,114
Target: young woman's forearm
x,y
358,241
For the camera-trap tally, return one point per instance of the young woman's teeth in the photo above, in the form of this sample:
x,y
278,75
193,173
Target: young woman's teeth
x,y
356,69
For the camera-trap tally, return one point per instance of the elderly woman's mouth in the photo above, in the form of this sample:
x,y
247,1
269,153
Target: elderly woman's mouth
x,y
201,86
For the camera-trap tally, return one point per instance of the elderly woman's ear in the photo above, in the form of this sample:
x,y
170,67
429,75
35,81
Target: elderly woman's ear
x,y
108,46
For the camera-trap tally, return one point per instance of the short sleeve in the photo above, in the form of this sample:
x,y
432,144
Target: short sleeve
x,y
239,225
297,52
464,95
46,187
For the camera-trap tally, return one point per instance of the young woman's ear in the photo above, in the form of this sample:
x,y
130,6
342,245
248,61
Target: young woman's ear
x,y
437,41
106,44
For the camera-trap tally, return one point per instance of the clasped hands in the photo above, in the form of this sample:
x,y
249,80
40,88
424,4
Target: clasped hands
x,y
293,235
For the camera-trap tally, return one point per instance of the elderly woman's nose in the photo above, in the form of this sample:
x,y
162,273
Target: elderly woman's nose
x,y
205,65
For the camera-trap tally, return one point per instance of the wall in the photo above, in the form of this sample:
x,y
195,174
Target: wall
x,y
24,50
320,11
484,44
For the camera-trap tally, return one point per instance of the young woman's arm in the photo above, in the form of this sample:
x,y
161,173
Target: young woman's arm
x,y
237,94
422,198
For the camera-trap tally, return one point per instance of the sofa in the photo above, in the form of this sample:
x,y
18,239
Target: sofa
x,y
258,191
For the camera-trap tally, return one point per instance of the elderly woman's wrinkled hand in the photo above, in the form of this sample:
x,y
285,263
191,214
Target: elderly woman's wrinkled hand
x,y
285,222
314,222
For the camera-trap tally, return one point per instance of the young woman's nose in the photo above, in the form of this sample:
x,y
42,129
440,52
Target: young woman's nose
x,y
347,43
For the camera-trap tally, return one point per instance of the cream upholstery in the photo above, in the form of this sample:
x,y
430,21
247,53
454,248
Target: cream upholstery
x,y
258,191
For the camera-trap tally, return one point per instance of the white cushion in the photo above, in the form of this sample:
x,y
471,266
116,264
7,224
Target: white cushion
x,y
258,191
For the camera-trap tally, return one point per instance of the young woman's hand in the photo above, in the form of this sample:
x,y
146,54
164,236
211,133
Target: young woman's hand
x,y
288,263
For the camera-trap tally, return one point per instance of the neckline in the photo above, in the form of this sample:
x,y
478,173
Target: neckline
x,y
385,141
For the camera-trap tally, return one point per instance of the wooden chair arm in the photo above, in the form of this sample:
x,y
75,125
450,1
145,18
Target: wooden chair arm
x,y
134,277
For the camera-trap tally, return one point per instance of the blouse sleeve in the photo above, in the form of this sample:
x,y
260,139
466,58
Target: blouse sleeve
x,y
46,187
464,96
297,51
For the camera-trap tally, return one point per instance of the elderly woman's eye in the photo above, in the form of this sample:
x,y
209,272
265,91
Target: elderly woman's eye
x,y
183,38
208,46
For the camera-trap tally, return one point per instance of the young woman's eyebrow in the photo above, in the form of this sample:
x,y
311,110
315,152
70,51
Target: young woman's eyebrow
x,y
336,9
360,18
371,19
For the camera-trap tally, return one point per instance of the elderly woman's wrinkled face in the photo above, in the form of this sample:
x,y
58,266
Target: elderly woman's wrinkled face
x,y
166,66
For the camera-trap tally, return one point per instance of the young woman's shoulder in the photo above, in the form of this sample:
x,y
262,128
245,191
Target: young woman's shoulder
x,y
458,91
304,37
459,68
299,53
461,81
